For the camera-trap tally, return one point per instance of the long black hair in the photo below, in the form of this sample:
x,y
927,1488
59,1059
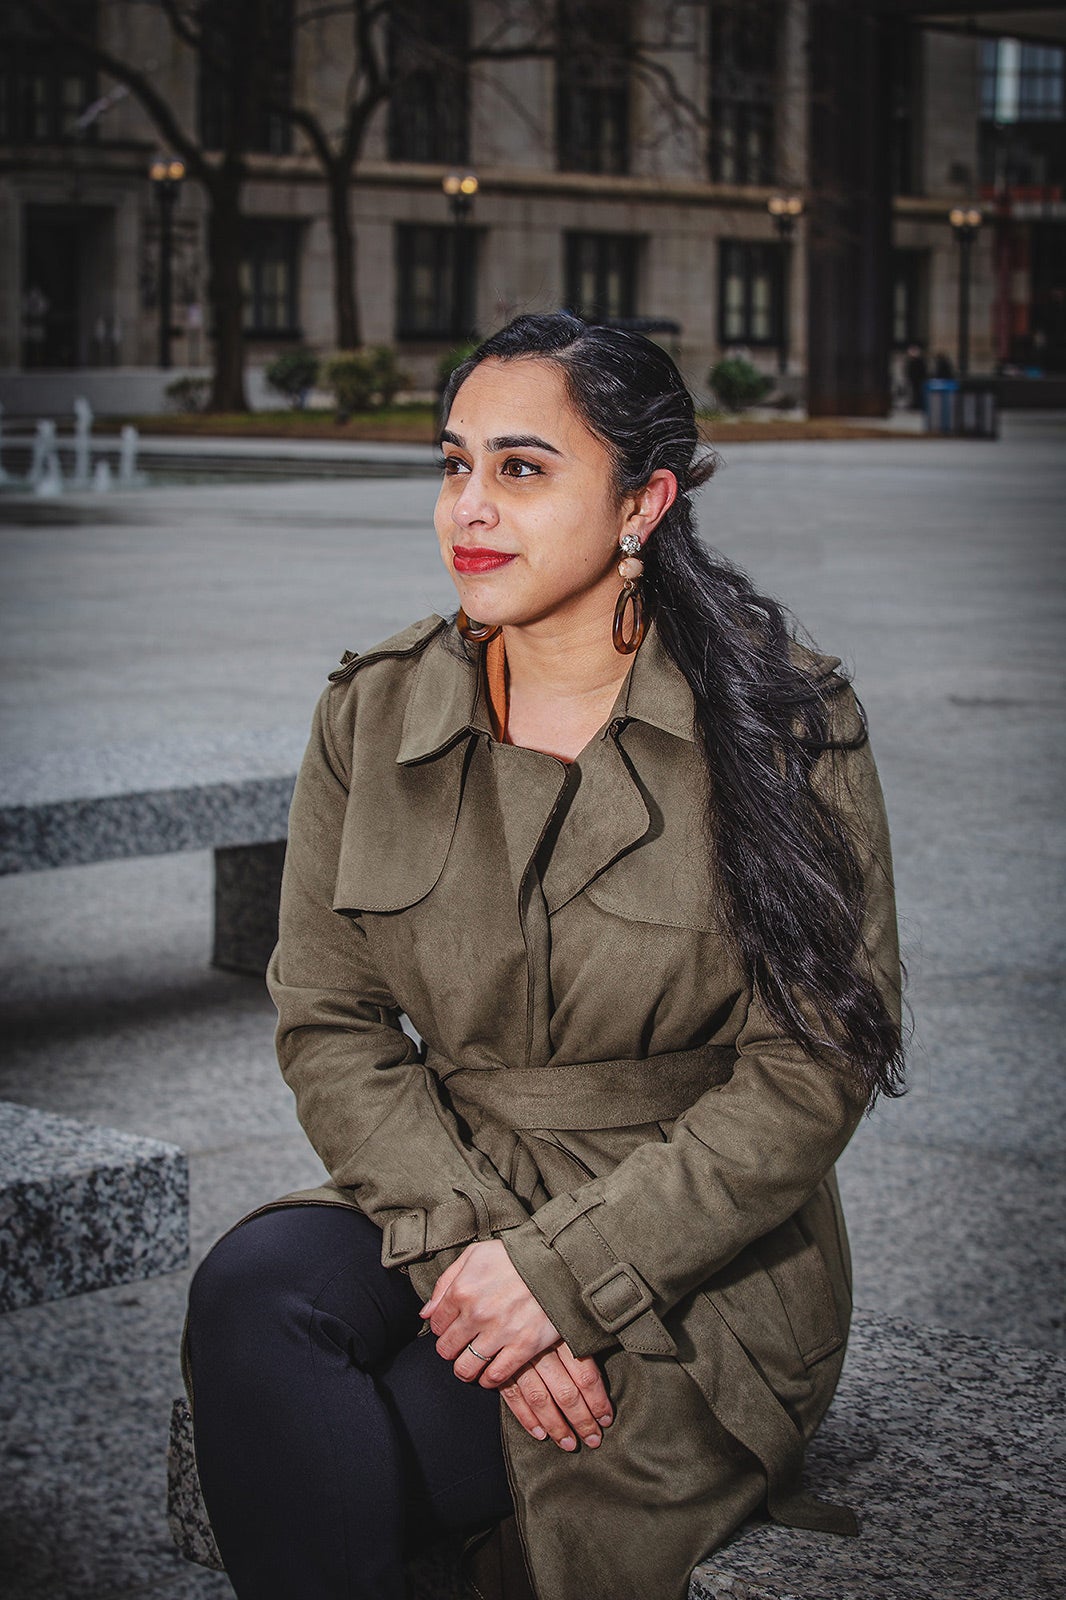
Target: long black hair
x,y
764,710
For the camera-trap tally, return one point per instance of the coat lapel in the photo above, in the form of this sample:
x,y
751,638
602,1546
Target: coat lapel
x,y
606,816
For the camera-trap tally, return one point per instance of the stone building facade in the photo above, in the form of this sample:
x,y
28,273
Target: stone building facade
x,y
642,194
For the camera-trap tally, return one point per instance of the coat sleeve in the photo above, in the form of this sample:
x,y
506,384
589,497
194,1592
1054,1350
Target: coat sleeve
x,y
607,1260
363,1096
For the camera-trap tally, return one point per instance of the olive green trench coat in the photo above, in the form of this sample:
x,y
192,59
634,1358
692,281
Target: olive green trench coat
x,y
598,1086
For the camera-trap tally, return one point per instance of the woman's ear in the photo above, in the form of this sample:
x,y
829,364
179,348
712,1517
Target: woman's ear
x,y
650,505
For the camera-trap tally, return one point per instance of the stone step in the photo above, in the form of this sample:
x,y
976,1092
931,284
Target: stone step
x,y
83,1207
943,1443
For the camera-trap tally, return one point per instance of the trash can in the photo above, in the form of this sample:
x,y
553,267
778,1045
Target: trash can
x,y
967,408
977,416
941,404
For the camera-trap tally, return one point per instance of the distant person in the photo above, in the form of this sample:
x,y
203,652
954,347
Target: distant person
x,y
943,366
617,849
916,371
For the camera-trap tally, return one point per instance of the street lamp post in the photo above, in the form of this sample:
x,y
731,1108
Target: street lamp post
x,y
785,209
965,222
166,175
460,188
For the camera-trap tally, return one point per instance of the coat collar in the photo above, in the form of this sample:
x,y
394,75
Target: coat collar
x,y
448,699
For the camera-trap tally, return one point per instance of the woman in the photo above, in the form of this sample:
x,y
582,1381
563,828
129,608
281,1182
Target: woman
x,y
620,856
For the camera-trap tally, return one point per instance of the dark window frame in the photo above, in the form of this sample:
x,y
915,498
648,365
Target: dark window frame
x,y
429,109
272,134
593,99
34,57
288,233
611,251
910,268
437,243
744,92
751,254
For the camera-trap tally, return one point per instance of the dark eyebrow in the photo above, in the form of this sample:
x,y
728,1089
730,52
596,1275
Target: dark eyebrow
x,y
506,441
521,441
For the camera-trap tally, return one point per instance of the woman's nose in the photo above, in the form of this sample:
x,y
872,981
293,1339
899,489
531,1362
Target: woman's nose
x,y
473,505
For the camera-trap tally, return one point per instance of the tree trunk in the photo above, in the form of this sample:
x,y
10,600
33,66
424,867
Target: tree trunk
x,y
224,292
345,310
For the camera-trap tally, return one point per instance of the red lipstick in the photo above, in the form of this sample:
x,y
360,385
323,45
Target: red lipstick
x,y
477,558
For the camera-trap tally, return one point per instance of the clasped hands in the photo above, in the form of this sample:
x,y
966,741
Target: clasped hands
x,y
482,1300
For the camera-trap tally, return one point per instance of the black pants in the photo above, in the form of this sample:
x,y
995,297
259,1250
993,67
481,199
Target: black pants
x,y
329,1437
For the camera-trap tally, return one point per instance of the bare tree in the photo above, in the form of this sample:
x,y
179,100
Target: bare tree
x,y
397,45
393,46
222,37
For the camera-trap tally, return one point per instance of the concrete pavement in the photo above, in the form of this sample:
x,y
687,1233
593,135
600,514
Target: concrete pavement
x,y
934,568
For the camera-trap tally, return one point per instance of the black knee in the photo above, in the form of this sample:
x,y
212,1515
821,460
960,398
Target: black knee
x,y
298,1272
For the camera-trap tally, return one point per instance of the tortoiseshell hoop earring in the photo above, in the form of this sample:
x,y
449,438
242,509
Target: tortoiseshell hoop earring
x,y
476,632
630,570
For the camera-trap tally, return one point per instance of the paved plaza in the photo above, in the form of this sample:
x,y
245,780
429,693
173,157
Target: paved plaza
x,y
169,616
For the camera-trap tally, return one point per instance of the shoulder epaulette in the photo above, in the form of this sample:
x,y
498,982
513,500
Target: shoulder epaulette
x,y
405,643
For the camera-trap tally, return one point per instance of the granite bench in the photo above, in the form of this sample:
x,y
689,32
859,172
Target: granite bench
x,y
944,1443
85,1208
228,793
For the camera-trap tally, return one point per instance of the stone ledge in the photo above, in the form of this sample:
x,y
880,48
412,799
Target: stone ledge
x,y
70,833
85,1208
942,1442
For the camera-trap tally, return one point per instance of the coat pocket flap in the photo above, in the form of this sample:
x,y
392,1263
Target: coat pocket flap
x,y
797,1269
398,829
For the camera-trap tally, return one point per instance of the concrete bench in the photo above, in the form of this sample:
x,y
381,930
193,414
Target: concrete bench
x,y
943,1443
85,1208
228,793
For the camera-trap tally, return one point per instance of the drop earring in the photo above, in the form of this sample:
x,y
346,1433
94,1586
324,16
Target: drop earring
x,y
475,632
630,570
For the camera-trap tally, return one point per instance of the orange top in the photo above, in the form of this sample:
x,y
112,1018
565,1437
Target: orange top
x,y
495,657
496,681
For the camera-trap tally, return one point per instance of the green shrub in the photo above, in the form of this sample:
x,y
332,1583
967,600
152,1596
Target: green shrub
x,y
738,384
364,380
389,376
188,393
292,374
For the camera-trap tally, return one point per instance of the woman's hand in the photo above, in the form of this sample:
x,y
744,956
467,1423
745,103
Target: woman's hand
x,y
562,1397
481,1300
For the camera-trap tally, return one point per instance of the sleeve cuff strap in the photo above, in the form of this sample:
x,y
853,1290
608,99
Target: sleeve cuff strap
x,y
418,1233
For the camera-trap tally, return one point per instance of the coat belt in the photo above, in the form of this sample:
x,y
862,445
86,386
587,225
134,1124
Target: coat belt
x,y
588,1095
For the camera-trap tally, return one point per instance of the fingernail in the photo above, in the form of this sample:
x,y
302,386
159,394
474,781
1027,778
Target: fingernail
x,y
592,1440
569,1443
538,1433
606,1420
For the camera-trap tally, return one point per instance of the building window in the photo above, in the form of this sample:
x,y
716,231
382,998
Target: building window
x,y
44,85
592,78
1023,115
426,306
744,91
909,276
750,293
428,111
601,275
1022,82
268,130
270,277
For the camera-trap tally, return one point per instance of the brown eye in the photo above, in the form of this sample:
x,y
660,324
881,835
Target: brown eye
x,y
514,467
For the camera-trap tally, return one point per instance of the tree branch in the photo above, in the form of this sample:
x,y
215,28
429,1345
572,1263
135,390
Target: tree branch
x,y
193,37
136,82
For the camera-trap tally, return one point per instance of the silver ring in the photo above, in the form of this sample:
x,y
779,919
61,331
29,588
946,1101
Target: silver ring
x,y
477,1356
